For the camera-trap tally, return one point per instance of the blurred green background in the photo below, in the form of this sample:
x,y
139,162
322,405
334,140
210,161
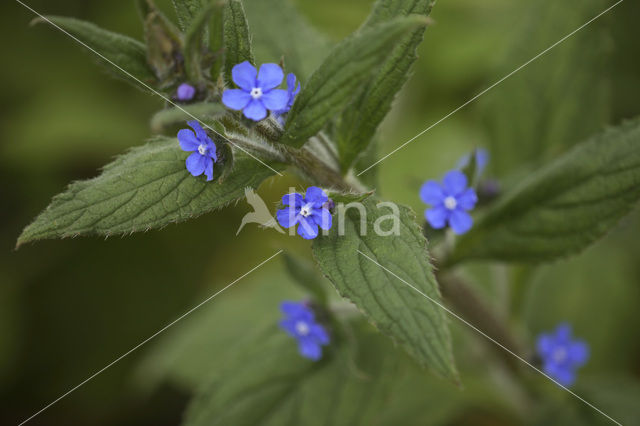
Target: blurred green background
x,y
68,308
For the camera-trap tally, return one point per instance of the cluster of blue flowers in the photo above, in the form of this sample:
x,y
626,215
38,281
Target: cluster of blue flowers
x,y
561,354
257,91
308,212
300,323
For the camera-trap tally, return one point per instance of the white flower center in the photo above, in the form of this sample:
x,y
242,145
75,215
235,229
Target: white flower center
x,y
559,354
302,328
305,210
256,93
202,149
450,202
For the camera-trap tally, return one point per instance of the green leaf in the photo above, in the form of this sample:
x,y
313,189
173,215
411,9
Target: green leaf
x,y
195,40
302,47
149,187
187,11
237,41
204,111
348,197
361,118
164,46
127,53
306,275
563,207
537,115
341,75
411,320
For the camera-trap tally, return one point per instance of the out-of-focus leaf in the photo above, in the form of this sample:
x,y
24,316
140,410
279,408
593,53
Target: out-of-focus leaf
x,y
617,396
302,47
149,187
194,41
203,111
560,99
127,53
413,321
187,11
164,46
341,75
563,207
360,120
237,40
306,275
348,197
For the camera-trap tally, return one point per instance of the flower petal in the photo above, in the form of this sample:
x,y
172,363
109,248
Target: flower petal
x,y
292,309
460,221
200,133
563,333
454,182
270,76
578,353
431,193
437,216
289,326
208,169
468,199
236,98
188,140
307,229
244,75
287,217
294,199
291,81
310,349
320,334
275,100
545,345
322,218
316,196
196,164
255,110
212,150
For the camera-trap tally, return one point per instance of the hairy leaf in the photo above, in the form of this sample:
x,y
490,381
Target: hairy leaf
x,y
563,207
237,41
557,101
341,76
127,53
306,275
268,383
149,187
195,40
362,117
187,10
203,111
413,321
301,46
164,45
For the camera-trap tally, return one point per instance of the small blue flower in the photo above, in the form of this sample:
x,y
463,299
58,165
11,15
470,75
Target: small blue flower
x,y
203,148
450,202
257,92
309,212
185,92
561,355
482,159
292,92
300,323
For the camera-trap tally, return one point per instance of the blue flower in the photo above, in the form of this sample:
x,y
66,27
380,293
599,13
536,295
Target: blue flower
x,y
300,323
257,92
292,92
561,355
482,159
203,148
309,212
450,202
185,92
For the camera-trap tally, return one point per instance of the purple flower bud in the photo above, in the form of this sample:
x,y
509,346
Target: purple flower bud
x,y
185,92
